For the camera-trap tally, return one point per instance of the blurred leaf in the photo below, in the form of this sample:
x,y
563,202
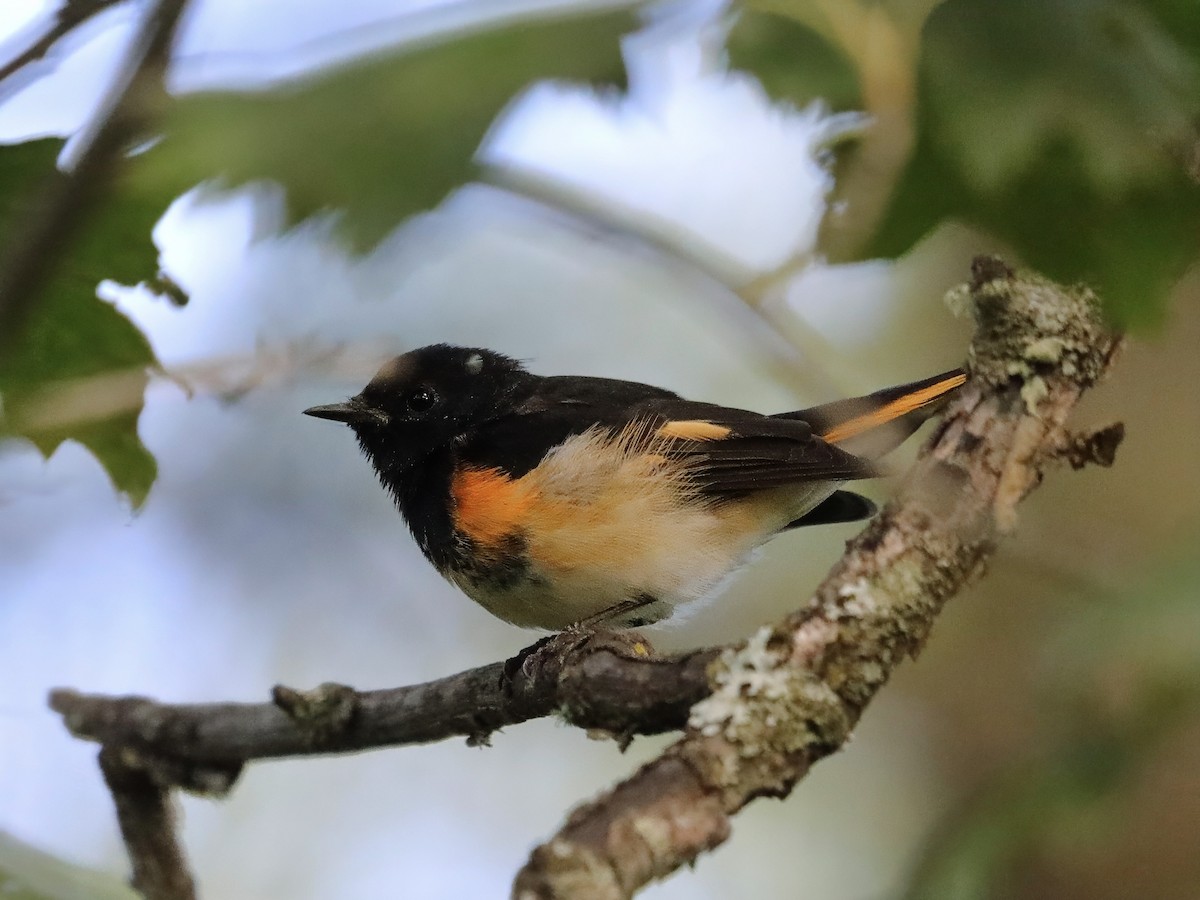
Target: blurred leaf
x,y
1178,18
71,333
1052,125
1073,793
793,62
30,874
1122,676
384,137
1142,644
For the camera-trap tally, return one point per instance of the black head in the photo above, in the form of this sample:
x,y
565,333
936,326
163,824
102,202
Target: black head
x,y
427,400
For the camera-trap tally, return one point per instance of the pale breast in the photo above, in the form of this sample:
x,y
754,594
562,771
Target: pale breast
x,y
604,521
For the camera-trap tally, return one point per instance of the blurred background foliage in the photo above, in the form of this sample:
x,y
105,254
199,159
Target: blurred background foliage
x,y
1117,691
26,873
1062,695
1022,120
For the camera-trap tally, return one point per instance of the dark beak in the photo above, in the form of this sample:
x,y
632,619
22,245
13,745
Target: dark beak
x,y
353,412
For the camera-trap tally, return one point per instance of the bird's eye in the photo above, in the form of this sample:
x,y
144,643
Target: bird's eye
x,y
421,400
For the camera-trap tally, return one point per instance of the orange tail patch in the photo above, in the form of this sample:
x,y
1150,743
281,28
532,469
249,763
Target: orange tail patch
x,y
894,409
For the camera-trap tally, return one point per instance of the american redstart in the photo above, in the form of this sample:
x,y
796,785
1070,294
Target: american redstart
x,y
557,501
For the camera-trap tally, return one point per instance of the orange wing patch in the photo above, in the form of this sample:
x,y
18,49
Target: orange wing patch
x,y
488,505
693,430
889,412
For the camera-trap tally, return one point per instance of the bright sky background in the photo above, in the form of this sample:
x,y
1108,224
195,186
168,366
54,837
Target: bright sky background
x,y
267,553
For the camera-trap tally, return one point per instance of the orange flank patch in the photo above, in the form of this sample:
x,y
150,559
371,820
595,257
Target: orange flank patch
x,y
693,430
889,412
488,505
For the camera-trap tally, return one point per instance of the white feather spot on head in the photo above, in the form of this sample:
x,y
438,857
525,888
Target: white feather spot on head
x,y
474,364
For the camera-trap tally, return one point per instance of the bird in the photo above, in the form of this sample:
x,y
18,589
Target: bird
x,y
560,502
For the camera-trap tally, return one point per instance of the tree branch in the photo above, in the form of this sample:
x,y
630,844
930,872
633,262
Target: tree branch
x,y
602,681
756,715
792,694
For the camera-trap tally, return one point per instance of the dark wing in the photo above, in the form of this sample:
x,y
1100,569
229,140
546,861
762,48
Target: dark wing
x,y
726,451
732,451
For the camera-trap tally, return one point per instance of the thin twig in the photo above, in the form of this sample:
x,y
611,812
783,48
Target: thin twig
x,y
787,358
37,248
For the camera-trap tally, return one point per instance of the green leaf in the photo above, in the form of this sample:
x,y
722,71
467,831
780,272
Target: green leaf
x,y
30,874
1052,125
71,334
384,137
793,62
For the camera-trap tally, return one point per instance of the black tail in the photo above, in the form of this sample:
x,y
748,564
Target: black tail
x,y
840,506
